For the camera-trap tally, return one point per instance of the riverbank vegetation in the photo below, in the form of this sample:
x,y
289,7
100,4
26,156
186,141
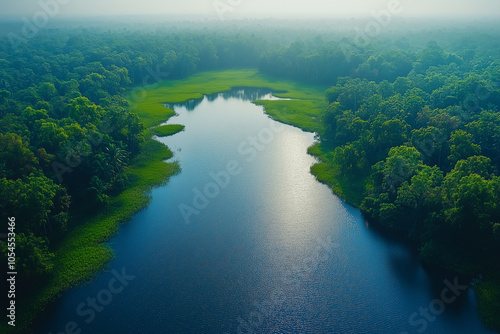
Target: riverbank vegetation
x,y
167,130
420,155
409,132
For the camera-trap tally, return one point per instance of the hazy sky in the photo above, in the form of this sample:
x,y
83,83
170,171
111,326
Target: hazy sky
x,y
253,8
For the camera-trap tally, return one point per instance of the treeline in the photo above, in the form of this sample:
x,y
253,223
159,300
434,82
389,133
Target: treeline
x,y
427,145
323,58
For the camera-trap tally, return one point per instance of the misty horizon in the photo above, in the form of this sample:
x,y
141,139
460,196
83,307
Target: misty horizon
x,y
258,9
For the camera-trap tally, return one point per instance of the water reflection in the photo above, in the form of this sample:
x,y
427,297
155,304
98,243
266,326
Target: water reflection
x,y
240,93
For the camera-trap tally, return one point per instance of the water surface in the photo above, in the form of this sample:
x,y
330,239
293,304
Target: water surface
x,y
245,240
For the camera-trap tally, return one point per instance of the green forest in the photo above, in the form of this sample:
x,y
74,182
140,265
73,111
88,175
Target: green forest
x,y
410,133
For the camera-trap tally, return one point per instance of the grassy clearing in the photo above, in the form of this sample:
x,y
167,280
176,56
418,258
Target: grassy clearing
x,y
167,130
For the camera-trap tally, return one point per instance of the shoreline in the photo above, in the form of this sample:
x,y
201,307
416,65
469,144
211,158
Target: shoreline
x,y
83,254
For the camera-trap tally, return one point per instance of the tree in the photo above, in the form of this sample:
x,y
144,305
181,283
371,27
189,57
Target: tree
x,y
47,90
432,55
110,163
461,146
418,198
478,165
208,55
399,166
350,159
471,215
83,111
401,85
70,89
355,92
333,93
412,105
35,202
15,155
349,128
97,192
329,119
51,136
388,133
371,107
33,258
429,142
485,131
385,89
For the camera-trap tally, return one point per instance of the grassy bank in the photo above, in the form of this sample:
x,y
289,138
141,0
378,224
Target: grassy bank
x,y
488,295
350,188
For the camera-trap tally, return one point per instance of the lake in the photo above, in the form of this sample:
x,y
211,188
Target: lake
x,y
245,240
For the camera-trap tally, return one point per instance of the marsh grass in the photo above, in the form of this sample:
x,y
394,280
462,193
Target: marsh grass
x,y
488,295
167,130
350,188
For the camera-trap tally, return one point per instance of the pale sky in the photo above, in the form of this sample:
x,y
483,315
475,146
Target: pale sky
x,y
233,9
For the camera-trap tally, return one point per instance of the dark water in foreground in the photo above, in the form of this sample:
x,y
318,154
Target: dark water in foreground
x,y
245,240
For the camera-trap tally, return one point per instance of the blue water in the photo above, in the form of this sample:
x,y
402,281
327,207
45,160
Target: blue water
x,y
245,240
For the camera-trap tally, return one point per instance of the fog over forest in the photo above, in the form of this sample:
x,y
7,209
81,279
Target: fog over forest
x,y
210,9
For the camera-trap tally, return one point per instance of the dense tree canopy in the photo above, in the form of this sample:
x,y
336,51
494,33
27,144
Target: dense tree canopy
x,y
416,120
430,135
